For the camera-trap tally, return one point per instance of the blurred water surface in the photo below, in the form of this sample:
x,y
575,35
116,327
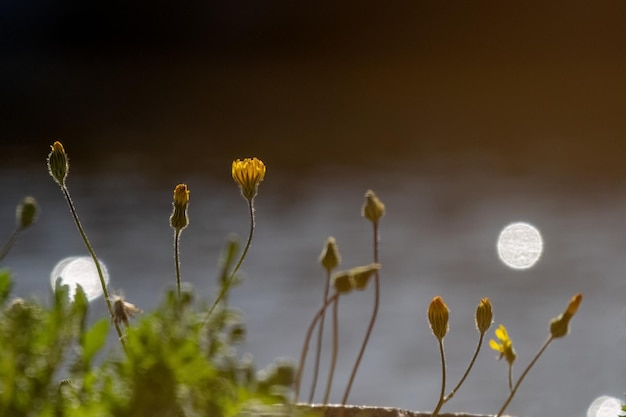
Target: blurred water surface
x,y
437,238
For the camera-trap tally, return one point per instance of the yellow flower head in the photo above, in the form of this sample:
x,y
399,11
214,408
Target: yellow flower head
x,y
58,163
248,173
505,347
438,314
179,219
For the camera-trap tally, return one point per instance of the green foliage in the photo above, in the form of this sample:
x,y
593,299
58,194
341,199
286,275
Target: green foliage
x,y
175,363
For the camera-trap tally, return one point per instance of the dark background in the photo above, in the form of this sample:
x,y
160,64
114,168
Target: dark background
x,y
524,87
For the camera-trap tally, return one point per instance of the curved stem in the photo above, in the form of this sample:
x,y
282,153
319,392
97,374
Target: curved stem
x,y
523,375
467,371
307,339
333,362
105,292
320,333
443,379
177,258
226,285
372,320
7,246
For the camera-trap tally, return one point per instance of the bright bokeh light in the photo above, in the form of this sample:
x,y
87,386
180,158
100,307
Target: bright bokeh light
x,y
605,406
519,245
81,270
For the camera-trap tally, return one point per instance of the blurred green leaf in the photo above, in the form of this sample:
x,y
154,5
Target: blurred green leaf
x,y
94,339
5,285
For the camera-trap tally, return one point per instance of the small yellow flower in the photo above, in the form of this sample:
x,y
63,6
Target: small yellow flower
x,y
438,314
484,315
58,163
179,219
505,347
248,173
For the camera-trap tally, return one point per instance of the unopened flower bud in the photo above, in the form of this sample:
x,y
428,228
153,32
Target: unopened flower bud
x,y
343,282
58,163
559,326
179,219
373,208
330,258
484,315
438,317
362,275
26,212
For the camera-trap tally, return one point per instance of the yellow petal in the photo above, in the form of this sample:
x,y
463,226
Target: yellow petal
x,y
496,346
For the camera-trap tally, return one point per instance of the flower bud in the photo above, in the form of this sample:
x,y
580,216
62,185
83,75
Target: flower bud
x,y
438,317
58,163
123,310
362,275
373,208
484,315
179,219
330,258
26,212
343,282
559,326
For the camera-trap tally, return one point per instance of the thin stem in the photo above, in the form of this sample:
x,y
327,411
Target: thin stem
x,y
66,193
307,339
443,379
510,377
523,375
7,246
372,320
177,258
467,371
320,333
226,285
333,361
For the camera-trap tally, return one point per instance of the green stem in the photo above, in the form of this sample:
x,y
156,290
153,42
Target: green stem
x,y
372,320
320,332
226,285
467,371
66,193
333,361
443,379
307,339
7,246
177,258
523,375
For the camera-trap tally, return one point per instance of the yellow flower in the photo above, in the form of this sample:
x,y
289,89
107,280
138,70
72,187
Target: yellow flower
x,y
572,308
438,314
505,347
248,173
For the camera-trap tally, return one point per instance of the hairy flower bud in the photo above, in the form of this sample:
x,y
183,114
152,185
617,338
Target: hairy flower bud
x,y
438,317
373,208
330,258
559,326
179,219
484,315
26,212
58,163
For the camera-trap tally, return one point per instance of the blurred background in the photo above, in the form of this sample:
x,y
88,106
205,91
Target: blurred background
x,y
462,116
